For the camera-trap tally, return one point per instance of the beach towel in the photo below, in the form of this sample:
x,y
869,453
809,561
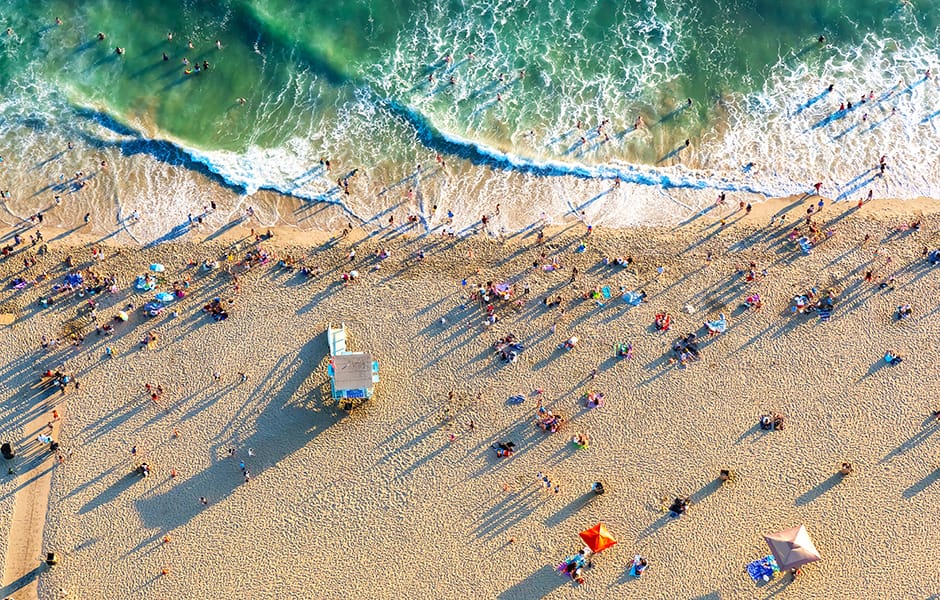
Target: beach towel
x,y
763,568
825,314
144,284
517,399
635,569
632,298
606,292
719,326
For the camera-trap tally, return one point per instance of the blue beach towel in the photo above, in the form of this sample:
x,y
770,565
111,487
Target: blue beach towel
x,y
763,567
632,298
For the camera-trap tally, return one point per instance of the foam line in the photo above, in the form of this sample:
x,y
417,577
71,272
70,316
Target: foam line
x,y
483,155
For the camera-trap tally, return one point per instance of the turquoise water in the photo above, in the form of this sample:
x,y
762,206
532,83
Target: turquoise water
x,y
383,86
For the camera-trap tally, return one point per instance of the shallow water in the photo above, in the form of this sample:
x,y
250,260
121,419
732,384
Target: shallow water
x,y
381,87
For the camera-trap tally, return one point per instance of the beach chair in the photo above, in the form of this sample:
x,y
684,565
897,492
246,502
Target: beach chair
x,y
337,339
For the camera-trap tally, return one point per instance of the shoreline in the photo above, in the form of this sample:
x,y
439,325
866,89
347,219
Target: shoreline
x,y
238,229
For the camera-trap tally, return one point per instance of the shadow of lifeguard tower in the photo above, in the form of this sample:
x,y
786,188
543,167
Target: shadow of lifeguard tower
x,y
353,375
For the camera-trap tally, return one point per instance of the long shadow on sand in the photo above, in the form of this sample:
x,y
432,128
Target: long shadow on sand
x,y
537,585
922,485
23,581
286,424
928,428
112,491
570,509
810,495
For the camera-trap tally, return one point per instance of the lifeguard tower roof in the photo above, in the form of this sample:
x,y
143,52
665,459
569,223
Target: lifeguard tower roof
x,y
352,371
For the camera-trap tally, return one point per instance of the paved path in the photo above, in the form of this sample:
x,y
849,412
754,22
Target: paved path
x,y
25,557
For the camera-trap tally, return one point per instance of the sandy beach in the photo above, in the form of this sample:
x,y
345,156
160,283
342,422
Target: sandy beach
x,y
403,496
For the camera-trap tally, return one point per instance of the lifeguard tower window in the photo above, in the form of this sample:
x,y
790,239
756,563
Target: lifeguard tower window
x,y
352,371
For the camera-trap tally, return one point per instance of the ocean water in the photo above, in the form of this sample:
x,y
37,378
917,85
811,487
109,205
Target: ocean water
x,y
509,94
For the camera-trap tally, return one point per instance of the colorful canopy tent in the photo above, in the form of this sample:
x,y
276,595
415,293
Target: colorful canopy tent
x,y
598,538
792,548
352,374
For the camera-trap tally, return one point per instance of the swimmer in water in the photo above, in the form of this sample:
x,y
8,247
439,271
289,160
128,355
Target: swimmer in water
x,y
101,36
165,57
169,36
119,51
241,101
218,44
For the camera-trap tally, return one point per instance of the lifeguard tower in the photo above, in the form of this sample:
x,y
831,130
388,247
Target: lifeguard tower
x,y
353,375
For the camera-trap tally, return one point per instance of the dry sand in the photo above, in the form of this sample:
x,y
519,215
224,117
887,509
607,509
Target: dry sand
x,y
379,502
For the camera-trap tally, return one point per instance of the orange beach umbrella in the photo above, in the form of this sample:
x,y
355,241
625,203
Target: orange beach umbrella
x,y
598,538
